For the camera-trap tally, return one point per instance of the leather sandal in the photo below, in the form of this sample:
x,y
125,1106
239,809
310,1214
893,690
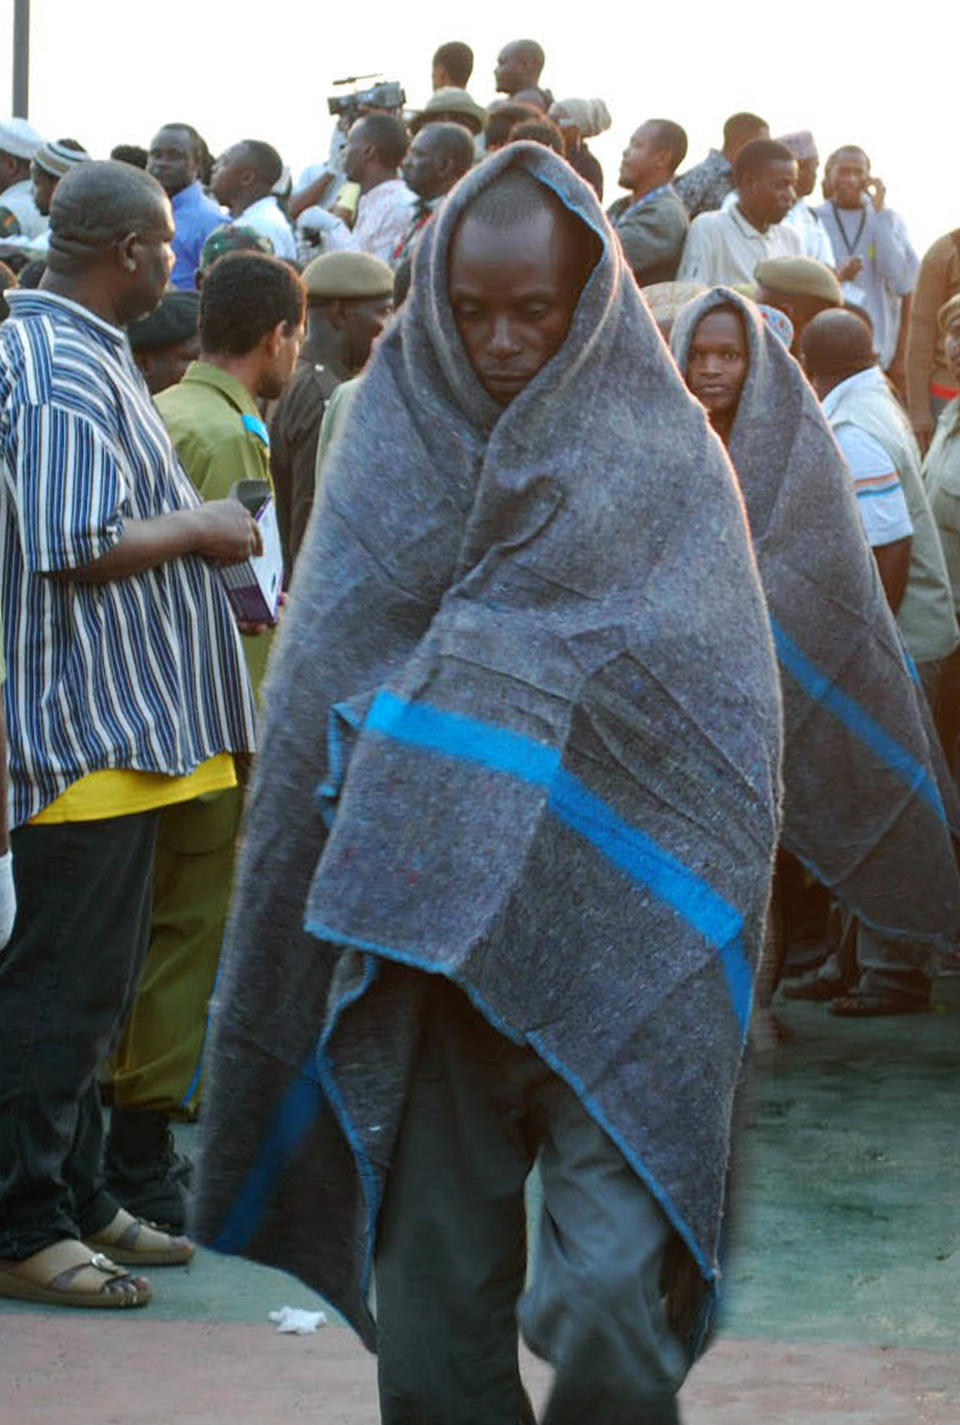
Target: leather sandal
x,y
69,1274
136,1243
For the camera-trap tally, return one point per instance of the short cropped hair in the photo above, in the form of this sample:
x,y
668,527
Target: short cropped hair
x,y
538,131
130,153
457,60
503,115
263,159
515,196
741,128
674,140
388,136
454,143
245,295
757,155
201,153
95,205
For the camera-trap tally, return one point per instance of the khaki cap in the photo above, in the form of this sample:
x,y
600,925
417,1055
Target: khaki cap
x,y
347,274
799,277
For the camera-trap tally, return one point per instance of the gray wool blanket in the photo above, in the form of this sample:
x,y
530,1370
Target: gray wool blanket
x,y
868,805
522,729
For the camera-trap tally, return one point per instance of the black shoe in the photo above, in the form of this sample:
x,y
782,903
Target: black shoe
x,y
145,1173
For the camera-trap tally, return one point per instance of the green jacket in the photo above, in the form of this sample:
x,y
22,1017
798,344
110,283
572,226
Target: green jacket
x,y
220,438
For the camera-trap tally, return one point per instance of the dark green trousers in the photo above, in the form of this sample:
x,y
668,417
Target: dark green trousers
x,y
158,1062
452,1250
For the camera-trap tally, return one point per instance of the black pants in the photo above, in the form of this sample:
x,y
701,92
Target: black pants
x,y
67,978
452,1252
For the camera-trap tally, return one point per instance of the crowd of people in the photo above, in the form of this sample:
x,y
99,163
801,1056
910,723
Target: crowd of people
x,y
619,645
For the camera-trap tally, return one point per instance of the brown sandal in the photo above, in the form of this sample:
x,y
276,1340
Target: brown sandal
x,y
69,1274
136,1243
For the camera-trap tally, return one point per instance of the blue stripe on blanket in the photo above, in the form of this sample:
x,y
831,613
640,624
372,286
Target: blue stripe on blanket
x,y
298,1110
634,853
824,691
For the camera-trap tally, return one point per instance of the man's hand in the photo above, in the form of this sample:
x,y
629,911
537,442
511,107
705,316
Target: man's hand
x,y
878,192
849,270
227,533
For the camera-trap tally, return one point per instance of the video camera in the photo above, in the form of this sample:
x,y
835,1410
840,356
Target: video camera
x,y
386,94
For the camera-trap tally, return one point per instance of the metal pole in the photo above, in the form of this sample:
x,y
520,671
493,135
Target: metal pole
x,y
21,58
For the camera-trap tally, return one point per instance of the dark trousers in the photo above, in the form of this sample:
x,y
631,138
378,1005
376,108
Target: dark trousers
x,y
67,979
452,1251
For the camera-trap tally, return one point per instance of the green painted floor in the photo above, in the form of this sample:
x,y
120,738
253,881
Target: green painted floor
x,y
847,1203
843,1290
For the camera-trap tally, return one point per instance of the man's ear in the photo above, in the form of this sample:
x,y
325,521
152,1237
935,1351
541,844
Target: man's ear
x,y
126,252
272,340
336,314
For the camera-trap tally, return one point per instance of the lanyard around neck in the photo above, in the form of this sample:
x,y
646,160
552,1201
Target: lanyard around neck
x,y
850,246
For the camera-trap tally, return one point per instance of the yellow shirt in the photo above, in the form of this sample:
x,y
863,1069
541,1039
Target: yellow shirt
x,y
112,792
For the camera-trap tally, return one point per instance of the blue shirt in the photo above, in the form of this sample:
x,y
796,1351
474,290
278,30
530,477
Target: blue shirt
x,y
195,216
143,673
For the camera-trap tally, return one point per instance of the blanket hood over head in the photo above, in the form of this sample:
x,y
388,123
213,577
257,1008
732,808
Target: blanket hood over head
x,y
521,730
868,805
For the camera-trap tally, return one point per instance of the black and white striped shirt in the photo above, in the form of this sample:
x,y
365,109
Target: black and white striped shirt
x,y
144,673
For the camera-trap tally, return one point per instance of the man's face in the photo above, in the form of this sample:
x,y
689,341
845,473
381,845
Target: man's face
x,y
513,296
772,192
153,259
642,159
511,72
848,178
172,160
229,174
424,169
44,186
951,346
165,366
717,364
807,176
363,323
355,153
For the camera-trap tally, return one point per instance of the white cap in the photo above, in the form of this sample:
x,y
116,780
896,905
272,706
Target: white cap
x,y
19,138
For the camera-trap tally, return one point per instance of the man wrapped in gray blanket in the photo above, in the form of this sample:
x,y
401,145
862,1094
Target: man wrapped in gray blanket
x,y
508,845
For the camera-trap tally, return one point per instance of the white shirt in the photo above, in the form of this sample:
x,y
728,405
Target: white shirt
x,y
384,215
266,216
881,502
813,235
319,231
723,248
18,198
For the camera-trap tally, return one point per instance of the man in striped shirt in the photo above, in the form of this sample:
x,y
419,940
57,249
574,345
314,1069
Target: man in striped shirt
x,y
126,691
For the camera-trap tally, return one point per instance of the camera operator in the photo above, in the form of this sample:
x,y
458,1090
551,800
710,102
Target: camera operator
x,y
320,183
376,146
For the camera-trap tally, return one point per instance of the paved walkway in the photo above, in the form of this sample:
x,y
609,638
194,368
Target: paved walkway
x,y
843,1291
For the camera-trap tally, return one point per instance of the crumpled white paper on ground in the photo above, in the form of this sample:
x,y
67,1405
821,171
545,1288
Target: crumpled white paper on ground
x,y
294,1321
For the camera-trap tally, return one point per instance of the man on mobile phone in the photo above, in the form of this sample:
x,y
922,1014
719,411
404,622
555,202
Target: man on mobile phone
x,y
876,261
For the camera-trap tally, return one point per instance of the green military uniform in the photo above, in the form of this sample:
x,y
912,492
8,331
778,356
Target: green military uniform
x,y
220,438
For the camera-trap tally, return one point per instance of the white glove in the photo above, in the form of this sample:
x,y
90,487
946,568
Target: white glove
x,y
8,898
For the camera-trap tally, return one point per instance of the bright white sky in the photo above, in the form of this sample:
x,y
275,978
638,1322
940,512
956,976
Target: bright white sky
x,y
107,72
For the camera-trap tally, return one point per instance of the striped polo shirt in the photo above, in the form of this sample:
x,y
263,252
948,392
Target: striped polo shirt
x,y
145,672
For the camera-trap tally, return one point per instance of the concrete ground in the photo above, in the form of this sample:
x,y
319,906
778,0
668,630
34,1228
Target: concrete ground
x,y
842,1300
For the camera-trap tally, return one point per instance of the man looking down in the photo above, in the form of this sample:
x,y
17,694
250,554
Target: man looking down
x,y
513,665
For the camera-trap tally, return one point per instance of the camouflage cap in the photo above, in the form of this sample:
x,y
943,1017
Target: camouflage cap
x,y
233,237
